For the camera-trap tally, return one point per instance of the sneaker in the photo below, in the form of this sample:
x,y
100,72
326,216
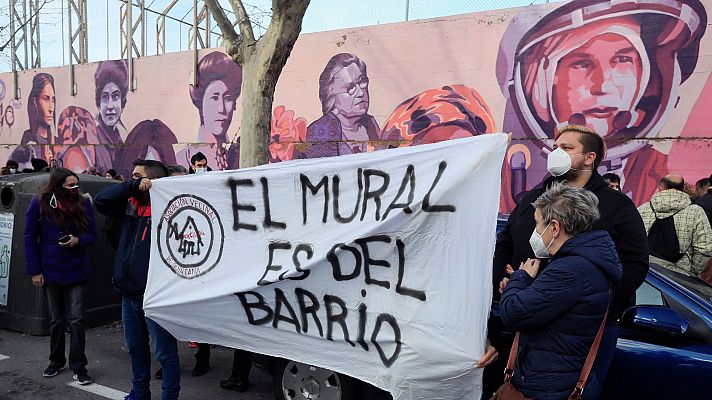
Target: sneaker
x,y
130,396
51,371
82,377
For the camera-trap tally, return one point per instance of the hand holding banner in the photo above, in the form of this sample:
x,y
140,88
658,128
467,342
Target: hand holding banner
x,y
375,265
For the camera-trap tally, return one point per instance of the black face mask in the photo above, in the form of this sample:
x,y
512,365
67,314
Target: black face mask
x,y
72,194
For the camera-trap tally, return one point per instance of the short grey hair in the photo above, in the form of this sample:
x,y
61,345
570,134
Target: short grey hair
x,y
576,209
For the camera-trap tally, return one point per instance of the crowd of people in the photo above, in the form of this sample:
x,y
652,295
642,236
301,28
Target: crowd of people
x,y
60,227
566,266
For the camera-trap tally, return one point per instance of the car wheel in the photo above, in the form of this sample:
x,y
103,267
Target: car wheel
x,y
293,380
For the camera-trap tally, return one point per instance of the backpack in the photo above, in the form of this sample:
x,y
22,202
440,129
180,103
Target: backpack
x,y
662,238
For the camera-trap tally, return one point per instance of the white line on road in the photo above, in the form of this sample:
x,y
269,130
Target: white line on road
x,y
3,357
100,390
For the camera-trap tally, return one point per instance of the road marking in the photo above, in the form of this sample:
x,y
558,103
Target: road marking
x,y
3,357
100,390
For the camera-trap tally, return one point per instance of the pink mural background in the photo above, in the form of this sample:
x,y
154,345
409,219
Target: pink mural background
x,y
636,72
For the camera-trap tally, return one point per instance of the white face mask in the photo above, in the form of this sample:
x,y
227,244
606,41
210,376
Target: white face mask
x,y
558,162
201,170
541,250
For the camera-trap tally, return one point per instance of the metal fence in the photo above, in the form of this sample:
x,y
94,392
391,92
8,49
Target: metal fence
x,y
44,33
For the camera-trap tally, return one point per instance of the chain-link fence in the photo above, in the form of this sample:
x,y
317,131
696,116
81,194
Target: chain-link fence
x,y
104,27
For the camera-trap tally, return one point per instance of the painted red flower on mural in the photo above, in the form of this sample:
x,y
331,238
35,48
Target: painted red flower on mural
x,y
286,132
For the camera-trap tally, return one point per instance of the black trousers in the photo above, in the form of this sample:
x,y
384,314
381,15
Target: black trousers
x,y
66,307
241,361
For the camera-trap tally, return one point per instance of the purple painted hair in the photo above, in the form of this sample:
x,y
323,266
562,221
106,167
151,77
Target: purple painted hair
x,y
111,71
215,66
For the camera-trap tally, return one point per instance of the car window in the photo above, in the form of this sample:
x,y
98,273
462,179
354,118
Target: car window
x,y
647,295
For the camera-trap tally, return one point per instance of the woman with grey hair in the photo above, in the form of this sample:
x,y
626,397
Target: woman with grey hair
x,y
559,313
346,127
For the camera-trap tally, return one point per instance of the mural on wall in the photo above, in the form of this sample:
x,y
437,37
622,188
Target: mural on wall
x,y
615,67
630,70
346,127
219,81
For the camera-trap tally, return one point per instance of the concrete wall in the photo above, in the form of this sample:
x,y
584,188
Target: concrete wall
x,y
638,73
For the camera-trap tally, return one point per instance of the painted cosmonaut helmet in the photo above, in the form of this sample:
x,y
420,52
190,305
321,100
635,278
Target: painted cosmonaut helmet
x,y
663,34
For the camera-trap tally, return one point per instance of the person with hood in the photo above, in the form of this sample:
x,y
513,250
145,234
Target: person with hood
x,y
579,151
59,227
130,200
690,222
559,311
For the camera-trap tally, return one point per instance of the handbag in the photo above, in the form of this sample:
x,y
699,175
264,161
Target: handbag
x,y
508,392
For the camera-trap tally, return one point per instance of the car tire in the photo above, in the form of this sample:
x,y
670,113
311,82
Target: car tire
x,y
293,380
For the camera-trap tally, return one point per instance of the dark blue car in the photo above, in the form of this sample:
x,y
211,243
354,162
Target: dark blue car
x,y
665,345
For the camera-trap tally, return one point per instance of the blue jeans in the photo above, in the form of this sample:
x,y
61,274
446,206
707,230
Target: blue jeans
x,y
66,307
137,330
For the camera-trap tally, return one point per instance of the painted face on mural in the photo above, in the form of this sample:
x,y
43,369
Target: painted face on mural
x,y
110,104
597,81
45,106
350,92
218,106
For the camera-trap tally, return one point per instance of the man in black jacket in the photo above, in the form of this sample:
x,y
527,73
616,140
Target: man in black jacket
x,y
579,151
130,200
705,202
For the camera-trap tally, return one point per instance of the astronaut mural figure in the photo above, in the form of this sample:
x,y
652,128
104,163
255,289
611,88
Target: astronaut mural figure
x,y
613,66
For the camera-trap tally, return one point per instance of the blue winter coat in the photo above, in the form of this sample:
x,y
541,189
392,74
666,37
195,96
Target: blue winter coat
x,y
558,314
43,254
130,272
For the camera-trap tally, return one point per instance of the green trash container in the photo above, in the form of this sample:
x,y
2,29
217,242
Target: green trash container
x,y
23,307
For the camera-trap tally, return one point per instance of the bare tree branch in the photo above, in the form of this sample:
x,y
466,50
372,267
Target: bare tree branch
x,y
12,35
232,39
243,21
282,32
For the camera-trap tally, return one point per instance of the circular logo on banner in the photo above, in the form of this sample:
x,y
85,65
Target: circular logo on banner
x,y
190,236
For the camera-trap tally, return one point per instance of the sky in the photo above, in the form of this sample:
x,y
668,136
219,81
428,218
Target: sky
x,y
322,15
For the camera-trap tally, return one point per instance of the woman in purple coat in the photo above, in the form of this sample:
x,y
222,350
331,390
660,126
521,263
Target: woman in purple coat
x,y
59,226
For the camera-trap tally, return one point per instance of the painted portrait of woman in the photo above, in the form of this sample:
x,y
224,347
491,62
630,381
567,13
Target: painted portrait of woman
x,y
149,140
346,127
41,115
616,67
215,94
111,86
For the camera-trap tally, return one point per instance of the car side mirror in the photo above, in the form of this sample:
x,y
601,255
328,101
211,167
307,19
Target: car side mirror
x,y
655,318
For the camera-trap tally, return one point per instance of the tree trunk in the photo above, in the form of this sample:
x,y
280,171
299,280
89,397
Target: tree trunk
x,y
262,62
256,122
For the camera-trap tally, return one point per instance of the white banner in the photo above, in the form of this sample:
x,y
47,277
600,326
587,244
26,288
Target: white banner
x,y
374,265
7,222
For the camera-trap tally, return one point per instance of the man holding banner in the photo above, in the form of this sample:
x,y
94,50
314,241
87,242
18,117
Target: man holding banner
x,y
131,201
373,265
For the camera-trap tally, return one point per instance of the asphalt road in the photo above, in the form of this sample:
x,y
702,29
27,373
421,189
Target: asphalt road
x,y
21,374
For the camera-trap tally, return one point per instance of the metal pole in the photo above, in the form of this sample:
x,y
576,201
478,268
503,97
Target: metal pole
x,y
24,29
129,47
72,92
194,77
407,9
